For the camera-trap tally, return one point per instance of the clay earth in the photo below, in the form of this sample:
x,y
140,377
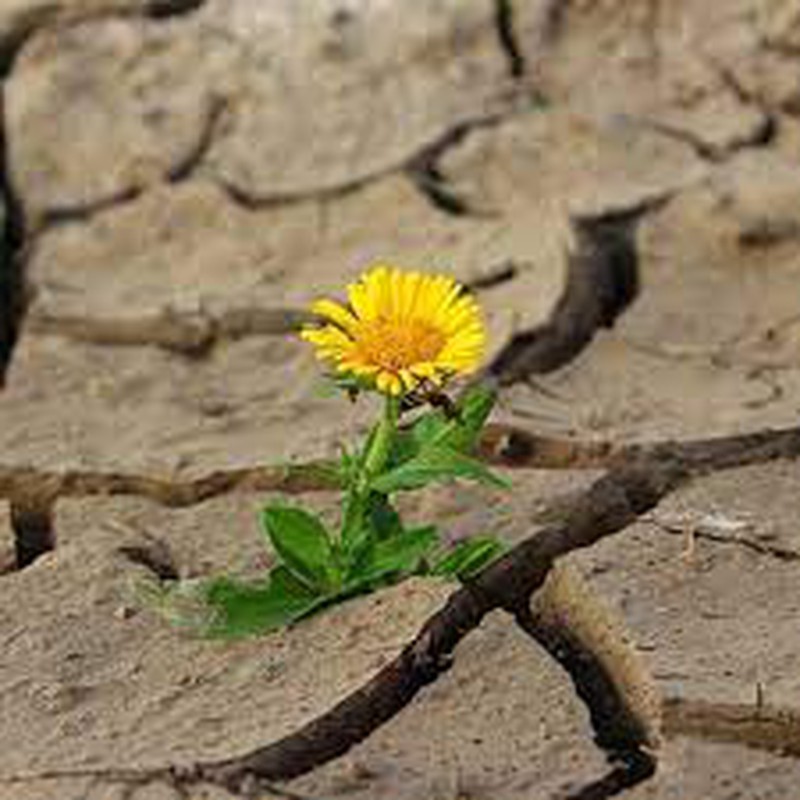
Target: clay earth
x,y
179,177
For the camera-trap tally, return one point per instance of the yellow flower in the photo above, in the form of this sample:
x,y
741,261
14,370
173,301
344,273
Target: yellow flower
x,y
400,328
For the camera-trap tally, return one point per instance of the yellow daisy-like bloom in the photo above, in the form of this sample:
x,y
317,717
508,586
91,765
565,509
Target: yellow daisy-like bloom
x,y
400,328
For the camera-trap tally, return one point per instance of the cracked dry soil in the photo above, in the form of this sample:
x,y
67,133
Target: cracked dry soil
x,y
618,180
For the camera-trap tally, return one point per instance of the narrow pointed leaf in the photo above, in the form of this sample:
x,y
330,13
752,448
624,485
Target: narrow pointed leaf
x,y
435,464
468,557
356,524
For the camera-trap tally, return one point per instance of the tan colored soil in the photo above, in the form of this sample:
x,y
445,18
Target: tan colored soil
x,y
181,175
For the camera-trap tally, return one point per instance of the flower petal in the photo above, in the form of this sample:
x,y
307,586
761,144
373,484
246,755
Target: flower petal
x,y
336,313
401,328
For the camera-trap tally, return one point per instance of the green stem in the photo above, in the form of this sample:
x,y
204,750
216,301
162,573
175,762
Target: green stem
x,y
356,499
381,444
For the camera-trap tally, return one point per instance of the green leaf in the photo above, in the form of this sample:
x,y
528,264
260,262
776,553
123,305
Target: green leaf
x,y
400,554
356,529
303,544
408,441
383,517
433,464
468,557
348,467
322,473
242,608
435,428
368,519
474,408
367,445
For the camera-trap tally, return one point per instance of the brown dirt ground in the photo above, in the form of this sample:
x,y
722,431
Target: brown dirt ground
x,y
172,177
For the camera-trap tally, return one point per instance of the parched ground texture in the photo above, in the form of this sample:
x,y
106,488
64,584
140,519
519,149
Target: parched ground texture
x,y
178,177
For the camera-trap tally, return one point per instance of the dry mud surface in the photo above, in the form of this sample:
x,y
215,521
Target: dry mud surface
x,y
178,178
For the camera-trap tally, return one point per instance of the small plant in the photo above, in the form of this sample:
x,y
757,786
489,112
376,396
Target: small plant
x,y
402,335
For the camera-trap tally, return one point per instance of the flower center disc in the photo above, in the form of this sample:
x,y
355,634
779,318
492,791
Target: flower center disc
x,y
394,345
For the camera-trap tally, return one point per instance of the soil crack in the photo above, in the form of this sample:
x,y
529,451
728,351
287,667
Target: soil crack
x,y
420,166
572,624
24,482
56,216
163,9
425,172
194,159
501,445
613,502
34,532
12,255
191,333
507,36
154,555
495,275
602,281
14,239
761,135
758,726
31,21
184,170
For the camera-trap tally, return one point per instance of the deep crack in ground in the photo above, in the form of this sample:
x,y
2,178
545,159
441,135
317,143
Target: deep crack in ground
x,y
504,16
602,281
12,244
34,532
